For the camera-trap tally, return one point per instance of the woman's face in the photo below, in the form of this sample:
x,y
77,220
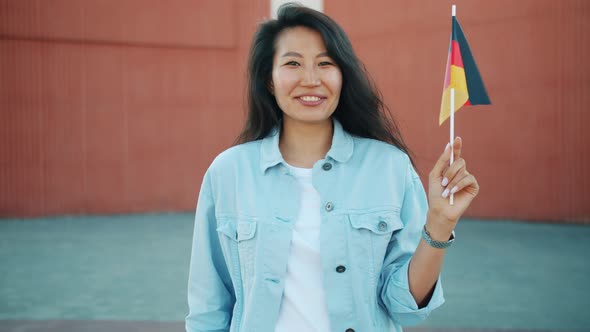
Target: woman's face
x,y
306,82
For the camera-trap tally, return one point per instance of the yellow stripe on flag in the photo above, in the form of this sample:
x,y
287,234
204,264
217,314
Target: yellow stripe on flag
x,y
458,82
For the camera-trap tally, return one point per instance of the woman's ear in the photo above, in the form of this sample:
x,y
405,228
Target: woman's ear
x,y
271,88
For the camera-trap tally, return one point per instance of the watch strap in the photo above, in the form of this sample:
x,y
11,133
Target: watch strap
x,y
437,244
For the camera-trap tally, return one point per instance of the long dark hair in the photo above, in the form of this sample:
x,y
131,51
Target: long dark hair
x,y
360,110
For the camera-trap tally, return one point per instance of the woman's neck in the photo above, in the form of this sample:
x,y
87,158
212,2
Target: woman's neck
x,y
302,144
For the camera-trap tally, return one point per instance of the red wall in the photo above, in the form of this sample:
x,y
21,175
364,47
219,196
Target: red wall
x,y
530,150
119,106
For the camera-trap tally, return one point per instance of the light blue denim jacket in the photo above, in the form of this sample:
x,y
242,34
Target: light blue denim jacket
x,y
373,210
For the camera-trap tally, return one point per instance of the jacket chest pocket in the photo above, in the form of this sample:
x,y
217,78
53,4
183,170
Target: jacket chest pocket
x,y
370,235
239,234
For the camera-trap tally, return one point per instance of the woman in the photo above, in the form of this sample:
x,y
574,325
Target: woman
x,y
318,220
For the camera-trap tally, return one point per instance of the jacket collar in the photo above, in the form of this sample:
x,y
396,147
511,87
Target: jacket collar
x,y
341,149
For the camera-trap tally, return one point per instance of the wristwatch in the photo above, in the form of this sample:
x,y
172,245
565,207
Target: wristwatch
x,y
437,244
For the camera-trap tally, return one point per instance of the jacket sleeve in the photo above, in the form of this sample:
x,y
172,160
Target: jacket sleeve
x,y
395,292
210,292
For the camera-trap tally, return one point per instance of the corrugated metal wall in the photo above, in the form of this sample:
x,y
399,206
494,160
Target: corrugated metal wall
x,y
119,106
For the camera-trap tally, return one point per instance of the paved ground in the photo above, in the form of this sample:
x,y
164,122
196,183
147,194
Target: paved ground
x,y
126,326
128,273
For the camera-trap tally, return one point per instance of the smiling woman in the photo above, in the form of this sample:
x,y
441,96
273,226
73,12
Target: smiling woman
x,y
306,83
317,220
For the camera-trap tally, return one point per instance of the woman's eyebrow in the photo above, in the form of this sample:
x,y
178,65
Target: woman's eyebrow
x,y
294,54
297,55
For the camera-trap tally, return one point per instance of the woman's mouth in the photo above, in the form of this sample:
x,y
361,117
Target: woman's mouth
x,y
310,100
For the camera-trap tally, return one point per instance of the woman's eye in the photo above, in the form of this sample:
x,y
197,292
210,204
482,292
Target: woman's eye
x,y
326,63
292,63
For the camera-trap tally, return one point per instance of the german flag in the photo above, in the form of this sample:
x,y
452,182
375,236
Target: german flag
x,y
461,74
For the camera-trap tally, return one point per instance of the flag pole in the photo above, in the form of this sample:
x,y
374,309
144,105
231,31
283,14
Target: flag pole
x,y
452,120
452,134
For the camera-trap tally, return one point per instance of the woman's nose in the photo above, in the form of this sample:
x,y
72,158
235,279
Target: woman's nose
x,y
310,77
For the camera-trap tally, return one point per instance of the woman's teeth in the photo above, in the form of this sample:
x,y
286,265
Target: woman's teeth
x,y
310,98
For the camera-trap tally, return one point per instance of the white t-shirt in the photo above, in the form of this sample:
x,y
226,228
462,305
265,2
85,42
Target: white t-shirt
x,y
303,306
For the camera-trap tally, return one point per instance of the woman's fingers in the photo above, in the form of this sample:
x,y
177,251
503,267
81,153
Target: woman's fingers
x,y
441,166
467,183
441,163
453,175
451,187
446,179
457,146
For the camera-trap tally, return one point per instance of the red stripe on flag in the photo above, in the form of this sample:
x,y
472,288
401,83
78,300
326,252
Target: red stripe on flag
x,y
448,71
456,58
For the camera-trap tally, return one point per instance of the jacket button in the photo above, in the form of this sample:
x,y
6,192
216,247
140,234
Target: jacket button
x,y
329,206
327,166
382,226
349,330
340,269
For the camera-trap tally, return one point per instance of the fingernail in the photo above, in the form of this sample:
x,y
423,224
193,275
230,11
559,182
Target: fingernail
x,y
454,190
445,193
444,182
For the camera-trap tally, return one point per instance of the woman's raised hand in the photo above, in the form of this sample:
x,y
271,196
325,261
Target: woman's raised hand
x,y
445,180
